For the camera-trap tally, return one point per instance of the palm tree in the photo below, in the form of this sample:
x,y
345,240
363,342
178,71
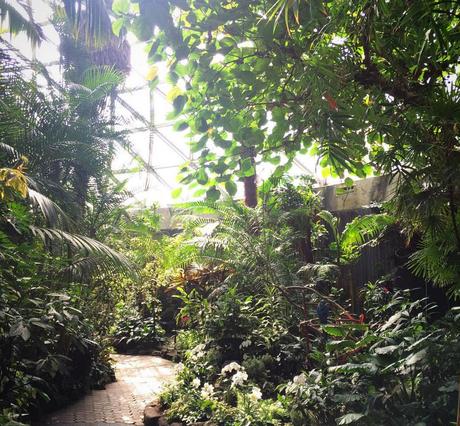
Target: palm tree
x,y
66,134
45,137
95,61
17,16
87,38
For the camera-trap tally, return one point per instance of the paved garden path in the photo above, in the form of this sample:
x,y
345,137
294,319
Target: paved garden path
x,y
139,377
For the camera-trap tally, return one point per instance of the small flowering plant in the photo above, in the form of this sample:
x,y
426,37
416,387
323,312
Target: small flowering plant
x,y
306,395
198,352
229,368
296,384
207,392
188,399
233,399
234,374
252,409
199,360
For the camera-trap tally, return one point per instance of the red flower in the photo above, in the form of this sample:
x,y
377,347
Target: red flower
x,y
331,101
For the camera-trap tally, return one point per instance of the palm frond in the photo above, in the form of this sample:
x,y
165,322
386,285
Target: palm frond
x,y
198,207
83,269
9,151
85,245
282,8
90,21
17,22
192,221
364,228
97,83
429,263
53,214
102,76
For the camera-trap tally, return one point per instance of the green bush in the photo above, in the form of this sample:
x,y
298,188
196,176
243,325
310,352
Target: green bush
x,y
137,332
401,370
47,357
48,352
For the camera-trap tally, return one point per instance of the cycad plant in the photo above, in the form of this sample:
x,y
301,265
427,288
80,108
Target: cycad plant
x,y
246,241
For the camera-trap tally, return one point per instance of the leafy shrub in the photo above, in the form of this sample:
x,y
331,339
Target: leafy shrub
x,y
261,332
239,328
401,370
238,350
231,400
187,339
137,332
47,356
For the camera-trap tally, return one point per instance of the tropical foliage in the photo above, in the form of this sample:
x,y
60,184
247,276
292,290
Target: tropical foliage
x,y
268,345
56,147
367,87
254,293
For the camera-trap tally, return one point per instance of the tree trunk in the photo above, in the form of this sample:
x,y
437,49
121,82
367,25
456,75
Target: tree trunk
x,y
250,184
305,245
250,191
81,182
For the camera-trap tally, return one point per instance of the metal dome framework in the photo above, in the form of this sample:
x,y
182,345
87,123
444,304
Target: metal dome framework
x,y
151,161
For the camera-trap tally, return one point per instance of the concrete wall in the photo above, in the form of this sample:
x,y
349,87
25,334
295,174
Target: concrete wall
x,y
166,221
363,193
336,198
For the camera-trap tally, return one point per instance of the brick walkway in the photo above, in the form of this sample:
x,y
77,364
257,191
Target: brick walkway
x,y
139,377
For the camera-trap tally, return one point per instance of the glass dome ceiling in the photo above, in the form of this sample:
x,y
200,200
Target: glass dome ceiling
x,y
151,164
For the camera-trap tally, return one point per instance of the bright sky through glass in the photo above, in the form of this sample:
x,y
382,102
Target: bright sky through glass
x,y
168,150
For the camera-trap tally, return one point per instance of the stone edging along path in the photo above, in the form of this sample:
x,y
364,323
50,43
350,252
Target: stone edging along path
x,y
139,378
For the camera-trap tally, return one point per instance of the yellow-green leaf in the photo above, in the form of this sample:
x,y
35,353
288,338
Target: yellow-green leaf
x,y
152,73
174,93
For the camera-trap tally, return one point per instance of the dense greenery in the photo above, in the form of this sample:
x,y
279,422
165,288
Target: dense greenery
x,y
56,148
274,342
254,292
363,85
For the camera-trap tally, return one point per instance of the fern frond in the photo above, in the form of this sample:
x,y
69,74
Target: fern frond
x,y
364,228
430,262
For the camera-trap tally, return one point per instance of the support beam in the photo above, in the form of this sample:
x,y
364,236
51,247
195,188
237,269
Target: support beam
x,y
142,119
148,168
